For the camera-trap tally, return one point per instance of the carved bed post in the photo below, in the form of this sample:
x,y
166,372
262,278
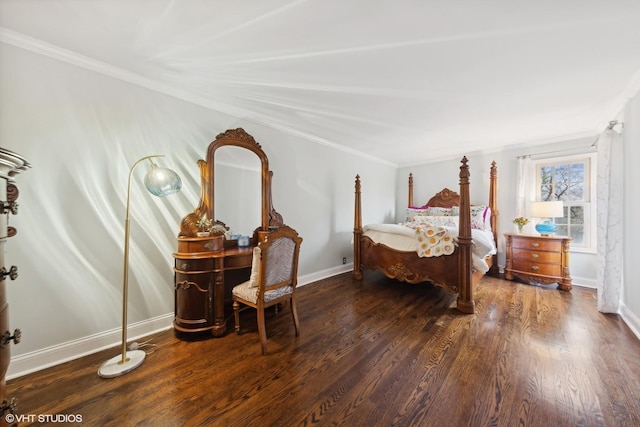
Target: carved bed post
x,y
410,202
357,232
494,270
465,296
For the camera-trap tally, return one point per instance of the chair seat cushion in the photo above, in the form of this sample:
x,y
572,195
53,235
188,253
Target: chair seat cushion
x,y
249,293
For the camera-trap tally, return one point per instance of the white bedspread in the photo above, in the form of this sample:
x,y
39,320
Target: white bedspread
x,y
403,238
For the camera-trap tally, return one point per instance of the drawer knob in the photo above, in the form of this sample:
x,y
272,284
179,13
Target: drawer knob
x,y
7,337
535,244
12,273
535,256
535,268
185,266
9,207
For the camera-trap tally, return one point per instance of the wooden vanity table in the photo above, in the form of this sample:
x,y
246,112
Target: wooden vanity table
x,y
207,268
204,277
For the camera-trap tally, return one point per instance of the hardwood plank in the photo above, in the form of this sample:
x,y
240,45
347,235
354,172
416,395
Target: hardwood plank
x,y
376,352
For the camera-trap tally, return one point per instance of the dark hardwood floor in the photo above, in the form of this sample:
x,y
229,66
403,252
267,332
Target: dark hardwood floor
x,y
374,353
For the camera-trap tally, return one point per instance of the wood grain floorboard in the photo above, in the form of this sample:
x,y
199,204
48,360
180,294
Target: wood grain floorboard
x,y
372,353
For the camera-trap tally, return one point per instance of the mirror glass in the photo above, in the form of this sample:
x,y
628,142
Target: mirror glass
x,y
238,189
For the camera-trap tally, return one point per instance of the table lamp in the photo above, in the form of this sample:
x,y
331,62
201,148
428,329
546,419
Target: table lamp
x,y
546,210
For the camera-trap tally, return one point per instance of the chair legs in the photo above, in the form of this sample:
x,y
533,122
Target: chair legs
x,y
236,314
262,331
294,314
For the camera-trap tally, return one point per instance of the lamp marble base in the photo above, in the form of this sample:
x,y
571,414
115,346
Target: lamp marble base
x,y
114,366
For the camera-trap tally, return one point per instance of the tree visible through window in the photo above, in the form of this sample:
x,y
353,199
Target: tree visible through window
x,y
569,180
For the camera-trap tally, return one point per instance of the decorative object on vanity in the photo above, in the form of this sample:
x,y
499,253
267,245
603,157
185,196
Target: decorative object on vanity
x,y
206,270
538,259
204,227
160,182
398,250
243,241
273,280
521,222
11,164
546,211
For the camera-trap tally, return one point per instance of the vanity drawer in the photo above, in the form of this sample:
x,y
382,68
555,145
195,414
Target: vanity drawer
x,y
195,265
542,269
200,244
537,244
239,261
536,256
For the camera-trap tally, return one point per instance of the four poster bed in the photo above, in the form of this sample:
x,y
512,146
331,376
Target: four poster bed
x,y
446,242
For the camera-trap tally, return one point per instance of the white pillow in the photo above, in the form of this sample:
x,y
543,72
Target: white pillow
x,y
255,267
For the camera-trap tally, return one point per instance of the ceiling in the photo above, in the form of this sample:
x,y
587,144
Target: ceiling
x,y
404,81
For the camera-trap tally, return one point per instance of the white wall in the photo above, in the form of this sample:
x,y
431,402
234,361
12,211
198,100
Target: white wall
x,y
631,205
81,131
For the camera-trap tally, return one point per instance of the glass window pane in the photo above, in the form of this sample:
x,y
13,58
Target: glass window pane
x,y
545,175
562,230
576,215
577,235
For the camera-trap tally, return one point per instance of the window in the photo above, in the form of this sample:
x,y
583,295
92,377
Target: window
x,y
571,180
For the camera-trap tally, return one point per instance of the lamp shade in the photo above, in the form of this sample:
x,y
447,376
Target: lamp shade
x,y
546,209
162,181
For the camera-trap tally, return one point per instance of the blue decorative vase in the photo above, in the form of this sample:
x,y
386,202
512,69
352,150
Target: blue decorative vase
x,y
546,228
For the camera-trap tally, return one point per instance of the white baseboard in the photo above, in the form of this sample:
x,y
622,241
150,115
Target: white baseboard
x,y
632,321
581,281
323,274
41,359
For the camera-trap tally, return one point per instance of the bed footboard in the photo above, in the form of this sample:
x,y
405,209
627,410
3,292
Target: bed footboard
x,y
453,272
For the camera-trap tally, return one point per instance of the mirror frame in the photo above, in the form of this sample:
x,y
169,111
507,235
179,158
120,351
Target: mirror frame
x,y
206,207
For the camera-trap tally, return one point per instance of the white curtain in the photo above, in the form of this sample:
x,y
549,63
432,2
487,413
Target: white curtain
x,y
521,186
609,221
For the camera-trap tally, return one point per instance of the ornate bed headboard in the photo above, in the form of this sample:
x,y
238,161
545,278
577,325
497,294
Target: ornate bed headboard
x,y
445,199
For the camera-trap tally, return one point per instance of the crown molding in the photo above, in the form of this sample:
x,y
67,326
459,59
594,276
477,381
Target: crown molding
x,y
70,57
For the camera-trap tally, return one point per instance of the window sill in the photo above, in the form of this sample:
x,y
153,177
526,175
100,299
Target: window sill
x,y
583,250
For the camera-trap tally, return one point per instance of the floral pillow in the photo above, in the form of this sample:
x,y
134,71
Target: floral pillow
x,y
481,217
437,221
413,212
438,211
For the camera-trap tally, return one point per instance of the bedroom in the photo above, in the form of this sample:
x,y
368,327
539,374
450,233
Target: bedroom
x,y
82,120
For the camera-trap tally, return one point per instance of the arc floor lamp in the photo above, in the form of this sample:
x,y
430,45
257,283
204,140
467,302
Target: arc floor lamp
x,y
160,182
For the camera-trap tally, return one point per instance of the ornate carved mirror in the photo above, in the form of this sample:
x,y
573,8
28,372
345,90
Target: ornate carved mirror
x,y
229,161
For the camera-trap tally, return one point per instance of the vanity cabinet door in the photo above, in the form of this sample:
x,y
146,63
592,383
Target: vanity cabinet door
x,y
194,280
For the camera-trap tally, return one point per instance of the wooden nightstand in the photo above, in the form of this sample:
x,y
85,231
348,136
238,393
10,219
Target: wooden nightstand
x,y
539,259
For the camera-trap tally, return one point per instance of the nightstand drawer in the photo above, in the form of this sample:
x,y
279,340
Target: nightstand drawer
x,y
536,256
537,244
537,268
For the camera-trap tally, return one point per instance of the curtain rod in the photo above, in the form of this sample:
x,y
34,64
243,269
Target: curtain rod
x,y
613,123
585,149
610,126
